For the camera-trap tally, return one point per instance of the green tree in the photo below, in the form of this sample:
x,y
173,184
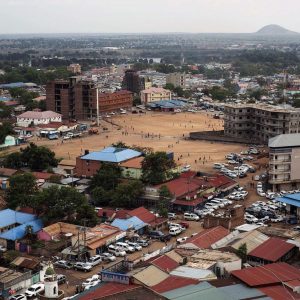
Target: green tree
x,y
86,215
296,103
126,194
21,191
101,197
5,129
164,200
242,252
169,86
13,160
107,177
157,167
38,157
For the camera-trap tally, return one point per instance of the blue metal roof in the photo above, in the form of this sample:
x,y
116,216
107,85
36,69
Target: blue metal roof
x,y
9,217
167,104
16,85
19,231
240,291
125,224
112,154
291,199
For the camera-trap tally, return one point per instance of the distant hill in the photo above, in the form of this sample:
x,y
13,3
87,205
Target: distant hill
x,y
275,30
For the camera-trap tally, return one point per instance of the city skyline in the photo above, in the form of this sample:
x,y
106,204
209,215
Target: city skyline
x,y
134,16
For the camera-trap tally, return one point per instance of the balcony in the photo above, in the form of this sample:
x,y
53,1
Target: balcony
x,y
278,171
279,161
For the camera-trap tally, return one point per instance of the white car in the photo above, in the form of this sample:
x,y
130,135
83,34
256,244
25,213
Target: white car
x,y
116,251
218,202
211,206
18,297
191,217
181,240
107,257
174,231
34,290
95,260
91,280
136,246
125,247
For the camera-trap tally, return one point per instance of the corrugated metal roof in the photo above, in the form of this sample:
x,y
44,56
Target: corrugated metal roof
x,y
291,199
112,154
278,292
207,237
165,263
240,291
189,272
285,140
202,290
172,283
150,276
268,274
272,249
20,231
131,223
9,217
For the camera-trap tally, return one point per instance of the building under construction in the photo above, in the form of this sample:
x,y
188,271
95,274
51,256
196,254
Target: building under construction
x,y
257,122
77,99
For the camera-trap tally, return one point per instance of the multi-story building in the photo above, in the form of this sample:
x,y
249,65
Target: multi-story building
x,y
258,123
77,99
74,68
177,79
155,94
134,83
284,161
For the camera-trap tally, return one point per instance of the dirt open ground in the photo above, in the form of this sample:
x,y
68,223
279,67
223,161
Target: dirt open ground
x,y
160,131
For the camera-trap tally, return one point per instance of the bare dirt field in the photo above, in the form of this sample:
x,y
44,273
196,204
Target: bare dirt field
x,y
160,131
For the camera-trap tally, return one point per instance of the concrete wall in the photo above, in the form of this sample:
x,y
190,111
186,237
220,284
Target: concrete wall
x,y
295,164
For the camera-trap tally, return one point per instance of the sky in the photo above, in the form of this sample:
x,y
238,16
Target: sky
x,y
126,16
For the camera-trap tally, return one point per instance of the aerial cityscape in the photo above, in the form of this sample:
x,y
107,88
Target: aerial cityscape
x,y
149,151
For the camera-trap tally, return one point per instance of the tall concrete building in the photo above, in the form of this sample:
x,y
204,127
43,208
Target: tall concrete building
x,y
284,162
77,99
74,68
135,83
177,79
258,123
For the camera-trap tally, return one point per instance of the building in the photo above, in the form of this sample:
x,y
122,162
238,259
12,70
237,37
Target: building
x,y
87,165
77,99
292,202
74,68
29,118
132,168
134,83
13,226
284,161
177,79
155,94
259,123
271,251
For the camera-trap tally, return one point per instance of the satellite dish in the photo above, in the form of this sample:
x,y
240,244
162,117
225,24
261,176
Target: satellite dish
x,y
69,234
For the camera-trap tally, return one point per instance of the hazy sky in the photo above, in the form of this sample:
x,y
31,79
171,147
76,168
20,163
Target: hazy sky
x,y
61,16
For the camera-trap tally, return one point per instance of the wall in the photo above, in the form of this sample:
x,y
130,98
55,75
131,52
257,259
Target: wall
x,y
86,168
295,164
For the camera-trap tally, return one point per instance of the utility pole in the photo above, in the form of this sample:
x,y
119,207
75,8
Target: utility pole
x,y
97,97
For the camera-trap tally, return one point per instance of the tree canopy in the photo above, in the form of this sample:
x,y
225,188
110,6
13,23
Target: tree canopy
x,y
34,157
157,167
5,129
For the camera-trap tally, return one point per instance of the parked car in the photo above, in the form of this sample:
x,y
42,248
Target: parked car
x,y
159,235
95,260
125,247
82,266
174,231
106,256
61,278
18,297
3,249
184,224
34,290
91,280
181,240
116,251
191,217
63,264
143,243
135,246
171,216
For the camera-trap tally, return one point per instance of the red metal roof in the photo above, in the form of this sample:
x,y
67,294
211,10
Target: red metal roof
x,y
109,289
207,237
143,214
165,263
188,202
182,186
272,249
43,175
268,274
278,292
172,283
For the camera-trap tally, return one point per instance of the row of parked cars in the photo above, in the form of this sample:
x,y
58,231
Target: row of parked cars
x,y
261,212
237,172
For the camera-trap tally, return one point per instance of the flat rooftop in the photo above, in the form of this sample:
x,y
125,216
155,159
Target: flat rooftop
x,y
267,107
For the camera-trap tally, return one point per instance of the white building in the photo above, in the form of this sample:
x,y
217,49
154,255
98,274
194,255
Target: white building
x,y
29,118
